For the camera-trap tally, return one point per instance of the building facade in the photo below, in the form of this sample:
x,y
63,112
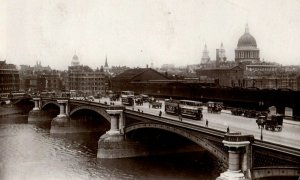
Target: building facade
x,y
84,80
230,77
9,78
39,78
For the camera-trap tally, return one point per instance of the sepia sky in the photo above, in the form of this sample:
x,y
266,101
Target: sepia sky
x,y
137,32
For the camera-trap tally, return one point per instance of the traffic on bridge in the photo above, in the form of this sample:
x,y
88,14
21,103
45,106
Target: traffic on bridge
x,y
223,121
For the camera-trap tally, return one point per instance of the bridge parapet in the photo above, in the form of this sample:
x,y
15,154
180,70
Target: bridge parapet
x,y
278,171
118,107
231,138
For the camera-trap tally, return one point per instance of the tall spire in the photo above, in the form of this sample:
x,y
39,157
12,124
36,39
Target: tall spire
x,y
106,64
222,56
247,29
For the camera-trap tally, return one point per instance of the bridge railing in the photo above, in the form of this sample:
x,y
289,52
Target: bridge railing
x,y
277,147
77,101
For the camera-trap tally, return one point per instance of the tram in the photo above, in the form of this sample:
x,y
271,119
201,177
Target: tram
x,y
127,98
185,108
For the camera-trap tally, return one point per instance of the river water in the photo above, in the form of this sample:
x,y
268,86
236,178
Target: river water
x,y
27,151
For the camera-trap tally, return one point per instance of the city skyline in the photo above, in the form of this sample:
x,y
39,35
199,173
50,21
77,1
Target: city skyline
x,y
134,33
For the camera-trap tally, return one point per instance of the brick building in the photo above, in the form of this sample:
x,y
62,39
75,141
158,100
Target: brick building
x,y
9,78
84,80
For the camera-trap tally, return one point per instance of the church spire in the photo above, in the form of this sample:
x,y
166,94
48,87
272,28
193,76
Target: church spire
x,y
106,64
247,29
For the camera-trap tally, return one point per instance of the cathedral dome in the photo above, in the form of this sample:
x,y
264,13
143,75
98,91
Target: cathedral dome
x,y
75,60
247,40
75,57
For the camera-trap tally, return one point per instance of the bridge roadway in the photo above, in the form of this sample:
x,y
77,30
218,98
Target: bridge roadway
x,y
289,135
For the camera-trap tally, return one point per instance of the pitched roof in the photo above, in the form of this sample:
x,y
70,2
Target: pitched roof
x,y
132,73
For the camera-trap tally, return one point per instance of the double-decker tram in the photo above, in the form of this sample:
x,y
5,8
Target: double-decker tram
x,y
186,108
191,109
172,106
127,98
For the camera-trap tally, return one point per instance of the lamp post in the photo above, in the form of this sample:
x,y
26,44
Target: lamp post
x,y
261,135
261,104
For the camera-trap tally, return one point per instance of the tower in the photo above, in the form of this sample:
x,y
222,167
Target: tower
x,y
205,55
106,67
220,55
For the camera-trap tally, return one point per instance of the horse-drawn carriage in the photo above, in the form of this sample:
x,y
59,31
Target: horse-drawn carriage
x,y
273,122
139,101
250,113
214,107
237,111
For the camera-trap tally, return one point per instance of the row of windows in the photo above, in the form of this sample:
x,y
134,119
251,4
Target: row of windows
x,y
87,88
86,79
85,75
86,83
247,54
8,88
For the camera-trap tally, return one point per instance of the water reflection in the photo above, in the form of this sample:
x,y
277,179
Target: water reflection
x,y
29,152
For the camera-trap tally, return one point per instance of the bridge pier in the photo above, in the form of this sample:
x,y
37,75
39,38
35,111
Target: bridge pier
x,y
113,144
239,156
111,141
61,123
36,115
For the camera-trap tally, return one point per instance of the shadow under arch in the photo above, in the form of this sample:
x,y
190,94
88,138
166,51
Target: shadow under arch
x,y
49,103
204,143
99,111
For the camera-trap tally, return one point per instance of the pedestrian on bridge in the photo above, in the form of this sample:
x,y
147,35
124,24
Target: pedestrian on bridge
x,y
160,113
206,123
228,130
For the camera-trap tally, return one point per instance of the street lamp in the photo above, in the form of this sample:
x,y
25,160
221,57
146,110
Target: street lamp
x,y
261,135
261,104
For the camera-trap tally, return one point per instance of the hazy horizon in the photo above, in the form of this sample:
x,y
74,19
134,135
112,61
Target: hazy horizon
x,y
135,33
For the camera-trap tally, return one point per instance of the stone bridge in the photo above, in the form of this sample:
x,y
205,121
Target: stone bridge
x,y
242,155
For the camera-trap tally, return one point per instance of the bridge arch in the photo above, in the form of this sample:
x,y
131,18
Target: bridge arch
x,y
100,111
50,102
204,143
